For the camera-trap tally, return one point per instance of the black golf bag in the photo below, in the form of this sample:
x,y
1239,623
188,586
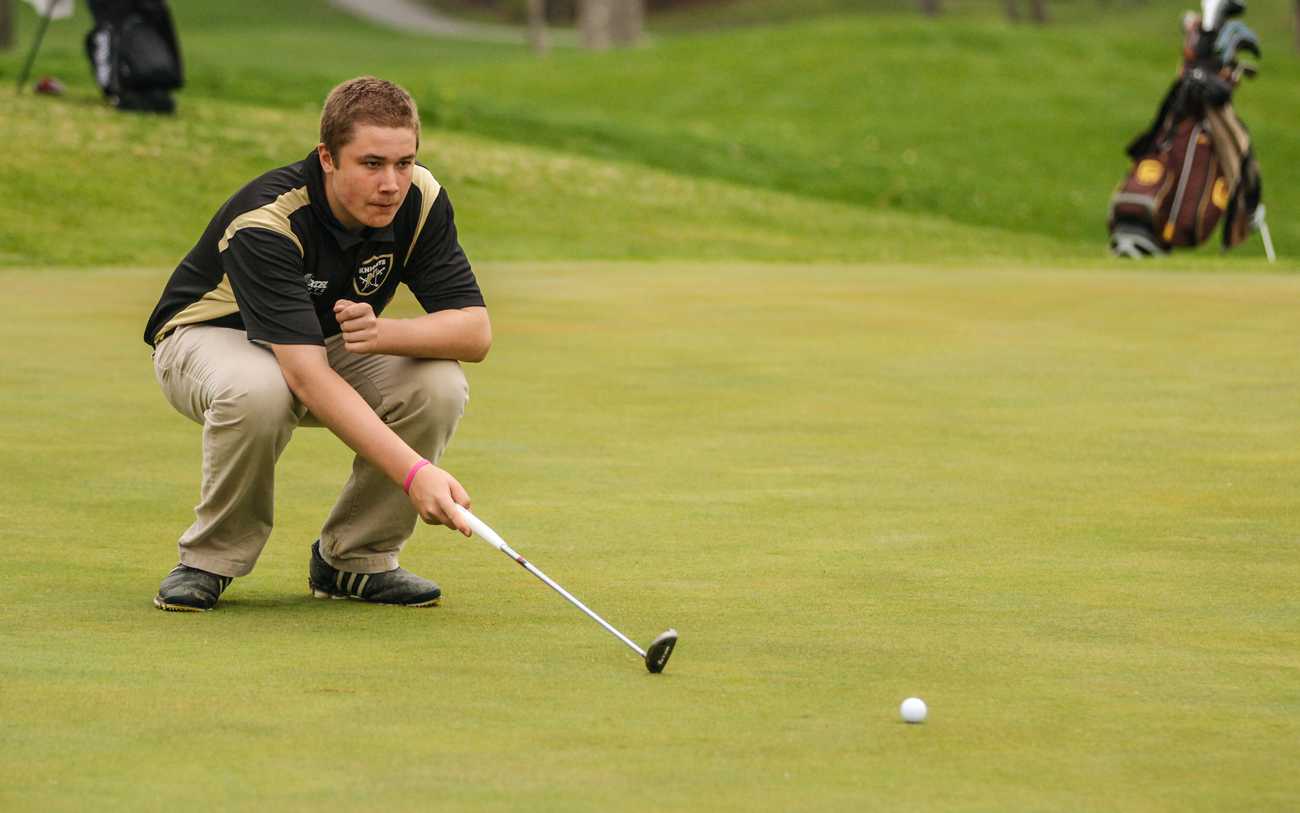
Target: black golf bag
x,y
134,54
1195,164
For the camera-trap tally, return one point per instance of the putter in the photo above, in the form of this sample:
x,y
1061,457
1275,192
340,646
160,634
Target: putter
x,y
655,656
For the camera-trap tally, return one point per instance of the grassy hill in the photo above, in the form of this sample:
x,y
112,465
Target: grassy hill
x,y
974,120
138,191
965,119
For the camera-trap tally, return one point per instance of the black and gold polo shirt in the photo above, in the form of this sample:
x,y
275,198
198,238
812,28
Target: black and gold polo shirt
x,y
274,260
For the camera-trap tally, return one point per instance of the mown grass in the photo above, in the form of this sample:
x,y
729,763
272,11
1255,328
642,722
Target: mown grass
x,y
125,190
967,118
1058,506
1050,494
977,121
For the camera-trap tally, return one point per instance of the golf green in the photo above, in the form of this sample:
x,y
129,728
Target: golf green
x,y
1057,505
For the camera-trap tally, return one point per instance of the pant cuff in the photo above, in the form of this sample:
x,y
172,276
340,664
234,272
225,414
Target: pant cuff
x,y
370,563
215,564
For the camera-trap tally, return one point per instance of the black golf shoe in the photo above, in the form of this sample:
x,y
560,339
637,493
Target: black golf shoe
x,y
190,590
395,586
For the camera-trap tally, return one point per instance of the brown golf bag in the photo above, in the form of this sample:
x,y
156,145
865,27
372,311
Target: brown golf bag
x,y
1194,166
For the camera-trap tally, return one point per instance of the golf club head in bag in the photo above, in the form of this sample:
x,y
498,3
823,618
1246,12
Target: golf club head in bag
x,y
1214,12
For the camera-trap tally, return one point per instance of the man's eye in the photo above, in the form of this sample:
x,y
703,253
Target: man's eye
x,y
373,164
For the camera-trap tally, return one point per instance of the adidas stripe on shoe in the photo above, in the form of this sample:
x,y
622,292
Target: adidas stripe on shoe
x,y
397,586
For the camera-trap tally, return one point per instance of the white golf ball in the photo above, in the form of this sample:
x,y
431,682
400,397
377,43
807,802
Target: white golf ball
x,y
913,710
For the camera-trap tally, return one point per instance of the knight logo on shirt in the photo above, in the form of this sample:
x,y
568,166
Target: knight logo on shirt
x,y
372,273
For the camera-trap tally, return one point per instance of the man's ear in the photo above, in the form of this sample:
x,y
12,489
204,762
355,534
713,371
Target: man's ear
x,y
326,160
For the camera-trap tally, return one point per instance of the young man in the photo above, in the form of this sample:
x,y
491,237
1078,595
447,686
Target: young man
x,y
273,320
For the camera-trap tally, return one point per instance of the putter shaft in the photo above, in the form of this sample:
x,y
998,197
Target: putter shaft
x,y
490,536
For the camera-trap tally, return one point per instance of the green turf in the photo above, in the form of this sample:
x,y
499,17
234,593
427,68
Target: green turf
x,y
757,376
1058,505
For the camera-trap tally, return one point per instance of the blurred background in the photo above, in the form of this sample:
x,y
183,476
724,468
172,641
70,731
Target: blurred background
x,y
936,130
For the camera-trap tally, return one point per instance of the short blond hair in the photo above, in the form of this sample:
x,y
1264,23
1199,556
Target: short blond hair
x,y
365,100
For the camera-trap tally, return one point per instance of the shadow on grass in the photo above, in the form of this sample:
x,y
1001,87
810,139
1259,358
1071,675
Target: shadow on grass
x,y
307,603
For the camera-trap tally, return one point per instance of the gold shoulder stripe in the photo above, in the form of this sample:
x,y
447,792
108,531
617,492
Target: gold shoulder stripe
x,y
214,304
273,216
429,187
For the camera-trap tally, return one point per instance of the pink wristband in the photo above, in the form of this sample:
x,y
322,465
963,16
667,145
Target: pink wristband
x,y
410,475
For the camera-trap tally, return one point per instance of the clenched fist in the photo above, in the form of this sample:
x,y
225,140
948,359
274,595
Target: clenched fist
x,y
360,326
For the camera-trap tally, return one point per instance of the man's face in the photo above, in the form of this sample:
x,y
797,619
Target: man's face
x,y
371,176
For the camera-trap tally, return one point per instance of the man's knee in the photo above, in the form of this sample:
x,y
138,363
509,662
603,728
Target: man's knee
x,y
259,405
439,387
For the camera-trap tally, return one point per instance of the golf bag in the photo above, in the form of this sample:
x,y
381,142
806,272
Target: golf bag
x,y
134,54
1194,166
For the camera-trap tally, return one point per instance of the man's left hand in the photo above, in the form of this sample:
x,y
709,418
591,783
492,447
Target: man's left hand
x,y
360,326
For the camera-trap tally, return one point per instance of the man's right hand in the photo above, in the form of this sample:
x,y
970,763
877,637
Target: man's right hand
x,y
435,494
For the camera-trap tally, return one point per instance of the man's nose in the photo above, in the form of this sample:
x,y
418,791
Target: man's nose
x,y
388,180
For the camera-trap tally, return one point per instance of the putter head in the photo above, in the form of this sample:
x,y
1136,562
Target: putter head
x,y
657,654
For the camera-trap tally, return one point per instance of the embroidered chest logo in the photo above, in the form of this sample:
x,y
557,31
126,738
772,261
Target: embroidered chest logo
x,y
372,273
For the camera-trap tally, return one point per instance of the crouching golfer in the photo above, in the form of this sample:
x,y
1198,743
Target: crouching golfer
x,y
273,321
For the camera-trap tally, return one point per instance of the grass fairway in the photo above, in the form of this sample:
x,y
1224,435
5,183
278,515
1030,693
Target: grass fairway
x,y
1058,506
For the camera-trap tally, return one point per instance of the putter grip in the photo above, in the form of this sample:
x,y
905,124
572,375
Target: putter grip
x,y
481,529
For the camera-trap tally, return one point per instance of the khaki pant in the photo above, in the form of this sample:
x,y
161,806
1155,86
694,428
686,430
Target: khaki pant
x,y
216,377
